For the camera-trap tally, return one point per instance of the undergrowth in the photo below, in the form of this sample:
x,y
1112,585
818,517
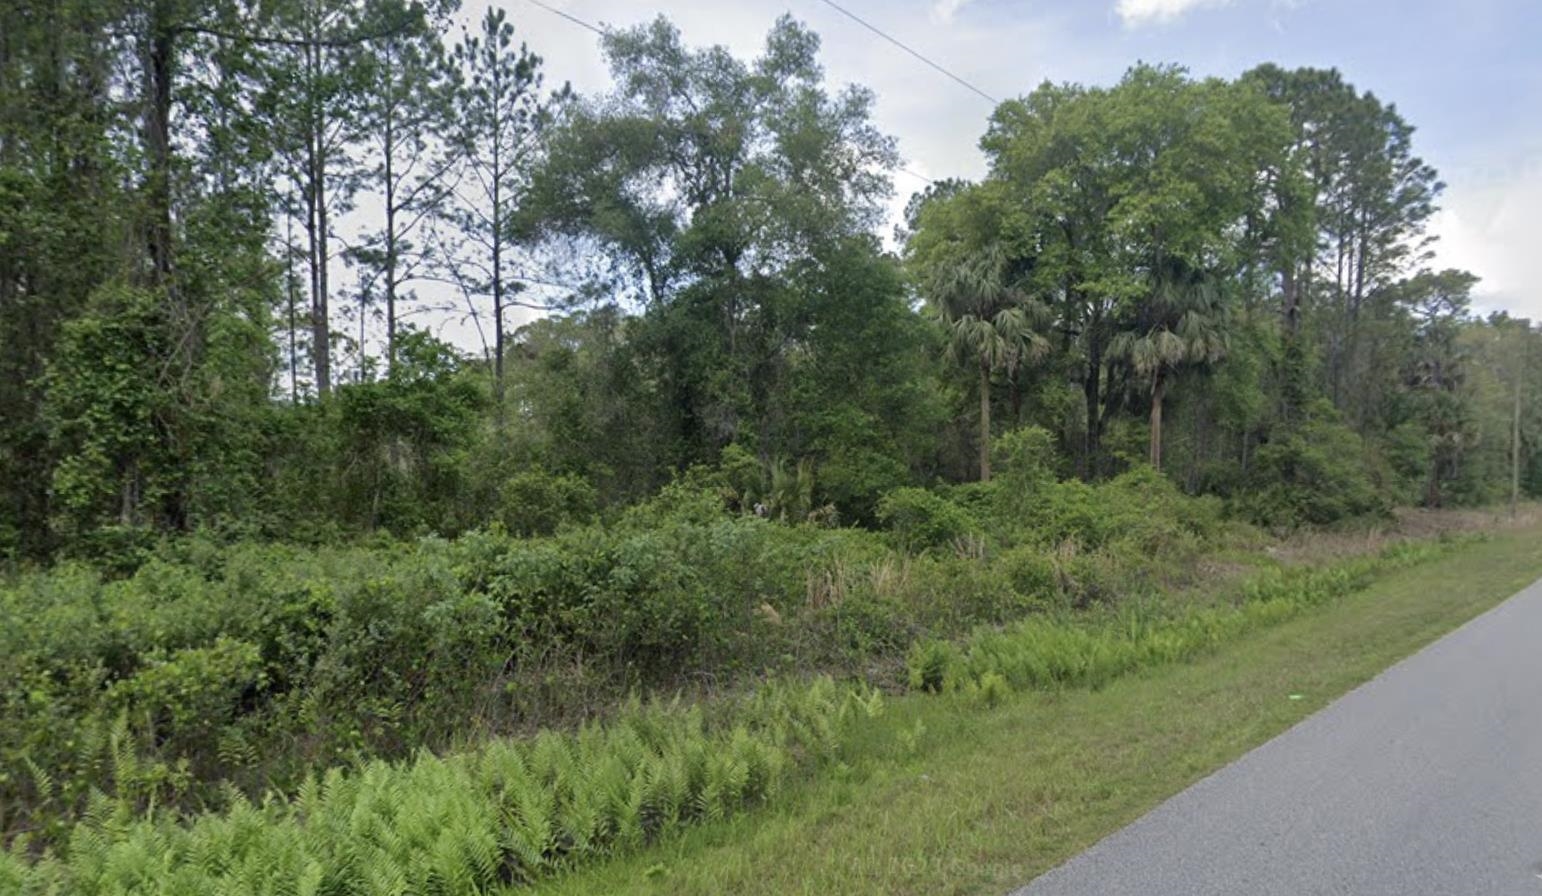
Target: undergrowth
x,y
1058,652
511,811
515,810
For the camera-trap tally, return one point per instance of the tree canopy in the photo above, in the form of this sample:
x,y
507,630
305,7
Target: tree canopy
x,y
225,229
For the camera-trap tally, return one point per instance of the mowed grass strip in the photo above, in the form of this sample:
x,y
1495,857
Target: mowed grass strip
x,y
942,795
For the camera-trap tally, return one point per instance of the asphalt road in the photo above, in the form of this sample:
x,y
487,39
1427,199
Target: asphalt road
x,y
1425,780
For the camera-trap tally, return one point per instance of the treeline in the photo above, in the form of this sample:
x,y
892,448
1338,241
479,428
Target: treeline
x,y
217,220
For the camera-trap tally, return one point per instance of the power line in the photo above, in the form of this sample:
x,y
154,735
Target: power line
x,y
865,24
571,18
602,32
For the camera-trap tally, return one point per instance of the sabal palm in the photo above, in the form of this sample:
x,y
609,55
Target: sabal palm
x,y
1183,322
993,322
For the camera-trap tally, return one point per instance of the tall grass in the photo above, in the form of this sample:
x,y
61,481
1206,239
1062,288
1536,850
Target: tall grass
x,y
1048,652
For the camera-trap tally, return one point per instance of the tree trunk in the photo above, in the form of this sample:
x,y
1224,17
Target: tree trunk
x,y
985,422
497,318
1290,300
1432,487
157,126
321,324
389,162
316,177
390,259
1092,391
1158,390
497,242
294,372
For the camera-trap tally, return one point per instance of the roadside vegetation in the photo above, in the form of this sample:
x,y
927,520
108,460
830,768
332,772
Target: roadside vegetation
x,y
296,596
944,794
234,715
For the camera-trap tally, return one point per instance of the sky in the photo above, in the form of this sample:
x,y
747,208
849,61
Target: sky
x,y
1466,73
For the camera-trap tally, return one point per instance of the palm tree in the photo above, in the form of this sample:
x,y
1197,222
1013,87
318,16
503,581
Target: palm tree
x,y
1183,322
994,324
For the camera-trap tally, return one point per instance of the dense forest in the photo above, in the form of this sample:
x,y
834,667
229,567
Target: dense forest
x,y
1227,279
257,519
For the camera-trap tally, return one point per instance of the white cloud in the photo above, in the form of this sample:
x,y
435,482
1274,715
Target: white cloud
x,y
944,10
1488,225
1135,13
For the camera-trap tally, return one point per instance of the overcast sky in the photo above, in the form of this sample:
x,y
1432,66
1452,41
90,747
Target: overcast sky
x,y
1466,73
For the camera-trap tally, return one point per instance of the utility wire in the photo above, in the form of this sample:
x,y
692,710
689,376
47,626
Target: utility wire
x,y
602,32
865,24
571,18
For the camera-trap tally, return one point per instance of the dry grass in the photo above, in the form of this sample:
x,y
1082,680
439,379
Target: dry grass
x,y
1407,523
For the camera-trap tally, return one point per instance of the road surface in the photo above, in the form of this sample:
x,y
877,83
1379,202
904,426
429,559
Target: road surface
x,y
1426,781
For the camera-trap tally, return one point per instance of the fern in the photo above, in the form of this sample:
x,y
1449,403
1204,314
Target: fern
x,y
511,811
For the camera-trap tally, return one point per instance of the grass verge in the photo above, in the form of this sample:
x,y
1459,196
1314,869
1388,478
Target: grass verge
x,y
945,796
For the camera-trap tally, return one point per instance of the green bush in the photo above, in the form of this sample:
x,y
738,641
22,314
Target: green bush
x,y
991,690
536,502
1318,473
1032,573
924,520
1024,469
186,698
1407,451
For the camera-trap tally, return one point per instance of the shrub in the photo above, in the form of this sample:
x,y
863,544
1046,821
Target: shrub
x,y
536,502
923,520
184,699
1407,451
214,670
1031,573
1024,461
1315,474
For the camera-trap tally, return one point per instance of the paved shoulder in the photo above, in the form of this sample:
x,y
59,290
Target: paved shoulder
x,y
1425,780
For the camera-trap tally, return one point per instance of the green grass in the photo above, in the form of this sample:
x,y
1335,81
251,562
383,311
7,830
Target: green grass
x,y
943,795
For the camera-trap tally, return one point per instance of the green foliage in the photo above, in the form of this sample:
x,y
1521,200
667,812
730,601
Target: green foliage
x,y
931,665
1406,449
777,490
536,502
924,520
1025,461
1147,245
251,663
183,700
1034,574
164,688
397,440
510,812
1317,473
991,690
769,315
1049,653
580,401
286,604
